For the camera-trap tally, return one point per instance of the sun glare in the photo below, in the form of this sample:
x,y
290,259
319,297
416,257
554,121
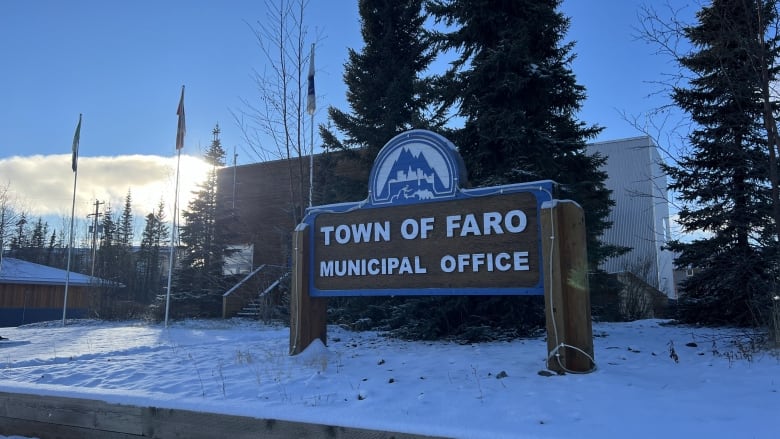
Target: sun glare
x,y
148,195
42,186
193,172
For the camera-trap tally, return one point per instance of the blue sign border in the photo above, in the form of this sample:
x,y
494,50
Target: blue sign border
x,y
423,167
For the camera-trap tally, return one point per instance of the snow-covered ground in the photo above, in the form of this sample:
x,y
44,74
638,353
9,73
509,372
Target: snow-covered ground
x,y
718,387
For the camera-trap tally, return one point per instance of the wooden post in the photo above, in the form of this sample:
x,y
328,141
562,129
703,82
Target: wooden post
x,y
566,291
308,315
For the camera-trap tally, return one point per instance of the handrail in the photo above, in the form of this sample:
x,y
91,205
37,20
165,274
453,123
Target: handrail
x,y
241,282
274,284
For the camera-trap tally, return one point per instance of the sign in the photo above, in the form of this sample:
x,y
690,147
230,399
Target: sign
x,y
420,233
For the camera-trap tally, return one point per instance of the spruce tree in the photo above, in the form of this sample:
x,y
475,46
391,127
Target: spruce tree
x,y
107,261
723,182
108,233
386,92
124,247
512,86
114,256
40,230
200,270
37,242
113,265
148,266
20,239
125,224
50,248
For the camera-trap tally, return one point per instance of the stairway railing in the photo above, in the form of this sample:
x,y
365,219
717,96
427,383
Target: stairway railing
x,y
240,294
233,299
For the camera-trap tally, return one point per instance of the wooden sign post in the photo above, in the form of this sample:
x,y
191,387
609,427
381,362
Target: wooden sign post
x,y
419,233
566,291
308,315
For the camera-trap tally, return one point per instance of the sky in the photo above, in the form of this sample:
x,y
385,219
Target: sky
x,y
122,65
719,386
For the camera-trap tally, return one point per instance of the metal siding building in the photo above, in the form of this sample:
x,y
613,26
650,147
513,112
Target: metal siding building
x,y
640,216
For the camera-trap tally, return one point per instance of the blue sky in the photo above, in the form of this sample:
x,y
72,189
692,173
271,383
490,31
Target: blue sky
x,y
122,64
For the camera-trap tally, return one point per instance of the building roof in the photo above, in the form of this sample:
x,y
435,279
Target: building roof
x,y
17,271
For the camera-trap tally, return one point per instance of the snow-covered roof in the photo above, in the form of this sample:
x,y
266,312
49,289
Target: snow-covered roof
x,y
17,271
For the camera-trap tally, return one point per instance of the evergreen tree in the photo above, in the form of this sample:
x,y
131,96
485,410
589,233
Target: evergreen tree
x,y
148,265
514,87
388,94
106,254
200,270
50,249
723,182
37,245
385,91
56,252
39,233
20,240
29,242
108,226
124,249
125,226
112,265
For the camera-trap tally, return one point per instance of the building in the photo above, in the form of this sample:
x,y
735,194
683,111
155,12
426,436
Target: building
x,y
32,293
640,216
255,207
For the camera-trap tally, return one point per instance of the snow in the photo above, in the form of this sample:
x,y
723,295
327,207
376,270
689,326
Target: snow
x,y
28,273
719,387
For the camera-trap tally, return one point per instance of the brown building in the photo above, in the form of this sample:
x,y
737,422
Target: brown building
x,y
255,207
32,293
260,204
257,212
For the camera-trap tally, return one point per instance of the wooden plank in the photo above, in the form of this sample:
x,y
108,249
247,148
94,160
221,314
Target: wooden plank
x,y
71,412
41,296
47,430
58,417
166,423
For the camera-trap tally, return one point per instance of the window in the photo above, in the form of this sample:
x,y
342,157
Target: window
x,y
238,259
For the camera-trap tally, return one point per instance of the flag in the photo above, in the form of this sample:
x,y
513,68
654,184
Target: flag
x,y
76,137
182,128
311,101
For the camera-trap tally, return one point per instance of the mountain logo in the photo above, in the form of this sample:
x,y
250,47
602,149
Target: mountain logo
x,y
414,166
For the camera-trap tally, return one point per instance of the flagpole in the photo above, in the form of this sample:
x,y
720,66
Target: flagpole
x,y
74,166
180,131
173,239
70,249
311,106
311,162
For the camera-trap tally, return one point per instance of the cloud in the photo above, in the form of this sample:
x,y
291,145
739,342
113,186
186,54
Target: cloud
x,y
42,185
